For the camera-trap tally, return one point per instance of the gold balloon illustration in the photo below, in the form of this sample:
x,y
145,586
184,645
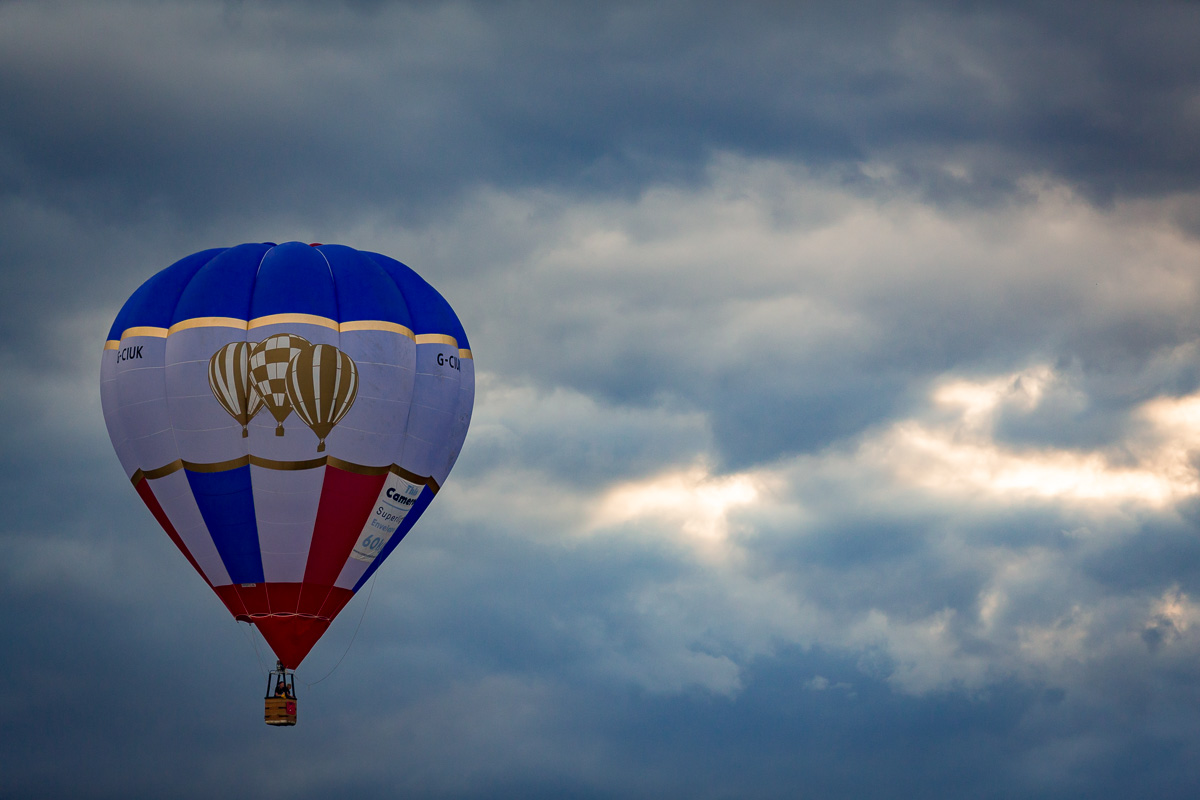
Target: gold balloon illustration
x,y
229,379
269,372
322,383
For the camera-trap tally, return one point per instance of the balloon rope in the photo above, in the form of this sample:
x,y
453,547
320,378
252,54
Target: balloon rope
x,y
254,644
352,638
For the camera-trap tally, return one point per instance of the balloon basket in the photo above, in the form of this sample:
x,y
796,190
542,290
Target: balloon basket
x,y
280,703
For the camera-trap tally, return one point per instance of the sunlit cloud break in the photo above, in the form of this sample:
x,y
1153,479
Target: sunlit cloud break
x,y
691,501
959,453
950,449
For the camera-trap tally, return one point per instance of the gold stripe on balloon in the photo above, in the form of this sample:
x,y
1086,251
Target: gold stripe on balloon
x,y
145,330
375,325
280,319
437,338
165,470
207,322
465,354
287,466
219,466
112,344
283,466
161,472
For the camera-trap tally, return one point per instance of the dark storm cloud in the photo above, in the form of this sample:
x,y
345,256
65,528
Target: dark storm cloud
x,y
218,110
1167,547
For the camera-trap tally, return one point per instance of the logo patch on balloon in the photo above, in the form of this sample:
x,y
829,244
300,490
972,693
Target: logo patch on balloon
x,y
269,362
229,379
285,373
395,501
322,383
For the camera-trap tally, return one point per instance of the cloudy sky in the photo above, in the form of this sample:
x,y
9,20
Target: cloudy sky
x,y
838,423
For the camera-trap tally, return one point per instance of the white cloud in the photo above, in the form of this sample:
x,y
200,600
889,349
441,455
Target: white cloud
x,y
771,262
959,455
691,501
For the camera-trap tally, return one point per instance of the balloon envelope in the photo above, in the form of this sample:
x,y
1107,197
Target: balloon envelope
x,y
363,360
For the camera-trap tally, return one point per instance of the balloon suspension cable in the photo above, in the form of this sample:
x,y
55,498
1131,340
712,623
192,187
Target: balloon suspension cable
x,y
254,644
352,638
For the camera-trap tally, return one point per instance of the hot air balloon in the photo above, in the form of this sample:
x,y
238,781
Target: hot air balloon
x,y
286,523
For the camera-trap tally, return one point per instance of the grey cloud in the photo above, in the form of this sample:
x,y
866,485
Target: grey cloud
x,y
570,436
793,336
214,112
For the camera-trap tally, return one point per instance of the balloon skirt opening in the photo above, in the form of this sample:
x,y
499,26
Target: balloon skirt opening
x,y
291,637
